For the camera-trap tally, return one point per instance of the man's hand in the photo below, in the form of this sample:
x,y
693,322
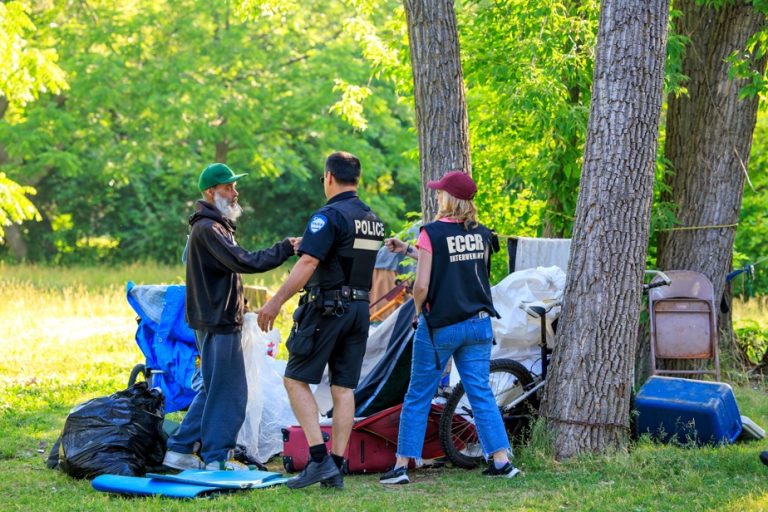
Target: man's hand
x,y
267,314
299,276
295,242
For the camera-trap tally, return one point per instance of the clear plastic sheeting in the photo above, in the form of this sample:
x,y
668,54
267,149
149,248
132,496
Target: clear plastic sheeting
x,y
152,300
268,409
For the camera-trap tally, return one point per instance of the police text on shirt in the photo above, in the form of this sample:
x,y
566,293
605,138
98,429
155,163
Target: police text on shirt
x,y
369,227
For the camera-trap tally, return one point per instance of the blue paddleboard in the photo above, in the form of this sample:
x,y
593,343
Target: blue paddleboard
x,y
135,485
224,479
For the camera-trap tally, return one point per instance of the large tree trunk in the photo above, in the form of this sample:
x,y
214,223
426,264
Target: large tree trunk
x,y
709,136
438,86
587,394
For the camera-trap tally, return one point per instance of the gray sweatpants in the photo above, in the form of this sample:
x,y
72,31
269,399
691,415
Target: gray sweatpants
x,y
218,410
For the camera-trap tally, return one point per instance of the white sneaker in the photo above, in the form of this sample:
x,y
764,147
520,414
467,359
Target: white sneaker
x,y
227,465
182,461
508,471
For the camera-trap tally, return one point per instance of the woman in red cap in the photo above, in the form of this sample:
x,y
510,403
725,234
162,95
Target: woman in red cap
x,y
452,293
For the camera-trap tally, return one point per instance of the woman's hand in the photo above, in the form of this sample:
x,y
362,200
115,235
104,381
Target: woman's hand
x,y
400,247
395,245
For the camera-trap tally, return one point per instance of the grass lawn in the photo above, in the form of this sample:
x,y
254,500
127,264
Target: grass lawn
x,y
70,338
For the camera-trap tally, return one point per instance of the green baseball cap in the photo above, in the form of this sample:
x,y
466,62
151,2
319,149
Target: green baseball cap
x,y
217,174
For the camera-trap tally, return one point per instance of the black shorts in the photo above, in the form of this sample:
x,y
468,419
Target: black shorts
x,y
339,342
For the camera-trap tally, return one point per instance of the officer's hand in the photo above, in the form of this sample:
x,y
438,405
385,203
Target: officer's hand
x,y
295,242
267,314
395,245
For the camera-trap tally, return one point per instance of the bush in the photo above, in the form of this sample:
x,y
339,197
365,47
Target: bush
x,y
752,339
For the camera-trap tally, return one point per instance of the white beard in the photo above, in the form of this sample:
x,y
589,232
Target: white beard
x,y
230,210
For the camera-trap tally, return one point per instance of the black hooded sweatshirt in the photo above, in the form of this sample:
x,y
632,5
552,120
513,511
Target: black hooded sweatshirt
x,y
215,301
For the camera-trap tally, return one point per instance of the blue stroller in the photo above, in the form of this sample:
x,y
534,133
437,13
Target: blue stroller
x,y
167,342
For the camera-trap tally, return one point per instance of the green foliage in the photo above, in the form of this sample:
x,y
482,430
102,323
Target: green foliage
x,y
27,67
350,106
674,79
26,70
750,245
745,62
528,69
15,206
160,89
752,338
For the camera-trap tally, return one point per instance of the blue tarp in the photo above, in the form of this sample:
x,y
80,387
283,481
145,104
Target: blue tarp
x,y
165,339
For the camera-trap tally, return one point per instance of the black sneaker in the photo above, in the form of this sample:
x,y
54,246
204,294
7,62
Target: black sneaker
x,y
337,481
395,476
314,472
508,471
764,458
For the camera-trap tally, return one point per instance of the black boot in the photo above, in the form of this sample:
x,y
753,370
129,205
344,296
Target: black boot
x,y
764,458
315,472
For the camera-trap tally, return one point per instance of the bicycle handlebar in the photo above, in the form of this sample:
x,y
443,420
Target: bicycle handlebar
x,y
539,308
664,280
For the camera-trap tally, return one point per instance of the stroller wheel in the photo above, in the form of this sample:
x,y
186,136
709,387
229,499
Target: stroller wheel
x,y
138,369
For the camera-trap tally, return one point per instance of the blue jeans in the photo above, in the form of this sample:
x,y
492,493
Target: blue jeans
x,y
218,410
469,342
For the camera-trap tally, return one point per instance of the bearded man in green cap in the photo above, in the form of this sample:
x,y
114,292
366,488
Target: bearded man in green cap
x,y
215,306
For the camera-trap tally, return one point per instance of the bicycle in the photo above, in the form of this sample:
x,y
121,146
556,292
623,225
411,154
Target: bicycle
x,y
517,393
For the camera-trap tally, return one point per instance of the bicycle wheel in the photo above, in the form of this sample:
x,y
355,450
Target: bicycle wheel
x,y
458,434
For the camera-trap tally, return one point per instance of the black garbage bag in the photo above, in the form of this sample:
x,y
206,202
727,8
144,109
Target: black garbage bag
x,y
121,434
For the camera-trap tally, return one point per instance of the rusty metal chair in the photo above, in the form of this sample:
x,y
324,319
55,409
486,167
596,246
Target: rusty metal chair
x,y
683,323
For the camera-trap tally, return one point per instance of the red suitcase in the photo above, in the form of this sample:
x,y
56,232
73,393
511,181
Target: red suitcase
x,y
372,444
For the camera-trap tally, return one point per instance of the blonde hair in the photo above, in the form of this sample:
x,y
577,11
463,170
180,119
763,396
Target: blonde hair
x,y
463,210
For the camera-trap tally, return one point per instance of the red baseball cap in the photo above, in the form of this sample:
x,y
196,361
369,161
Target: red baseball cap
x,y
457,183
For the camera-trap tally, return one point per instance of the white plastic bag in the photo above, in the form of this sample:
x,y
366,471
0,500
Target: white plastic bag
x,y
272,340
516,332
268,410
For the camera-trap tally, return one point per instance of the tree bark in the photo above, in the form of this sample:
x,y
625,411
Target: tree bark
x,y
438,87
709,137
587,394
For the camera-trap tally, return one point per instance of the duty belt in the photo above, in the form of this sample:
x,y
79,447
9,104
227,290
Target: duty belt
x,y
345,293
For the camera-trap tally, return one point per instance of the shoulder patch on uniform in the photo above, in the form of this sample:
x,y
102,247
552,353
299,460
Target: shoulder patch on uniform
x,y
317,222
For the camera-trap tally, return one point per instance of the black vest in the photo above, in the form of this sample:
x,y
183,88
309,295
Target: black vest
x,y
353,256
459,287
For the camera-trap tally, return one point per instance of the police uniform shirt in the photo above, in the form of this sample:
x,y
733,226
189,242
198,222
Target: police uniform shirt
x,y
330,237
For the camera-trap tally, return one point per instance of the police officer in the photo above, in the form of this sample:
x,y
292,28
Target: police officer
x,y
337,256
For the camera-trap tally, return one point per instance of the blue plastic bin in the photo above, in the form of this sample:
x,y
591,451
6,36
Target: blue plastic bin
x,y
684,410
